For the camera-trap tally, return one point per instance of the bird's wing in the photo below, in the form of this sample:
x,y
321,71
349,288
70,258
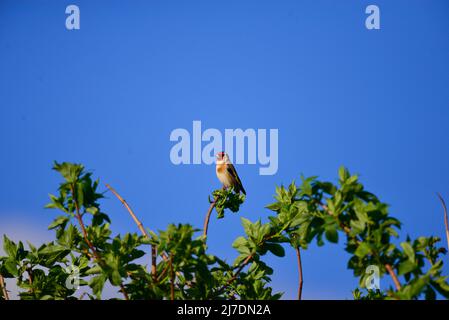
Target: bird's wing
x,y
236,178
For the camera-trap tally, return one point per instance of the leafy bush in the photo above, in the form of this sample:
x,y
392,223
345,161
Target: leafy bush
x,y
84,253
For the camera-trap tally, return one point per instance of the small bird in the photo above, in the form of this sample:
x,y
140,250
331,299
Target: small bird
x,y
227,174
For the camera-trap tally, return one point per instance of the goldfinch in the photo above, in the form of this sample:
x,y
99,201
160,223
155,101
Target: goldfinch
x,y
227,174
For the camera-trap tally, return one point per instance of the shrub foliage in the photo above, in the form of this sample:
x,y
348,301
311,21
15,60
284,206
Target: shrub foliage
x,y
175,263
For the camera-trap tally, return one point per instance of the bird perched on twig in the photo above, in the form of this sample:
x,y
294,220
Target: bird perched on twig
x,y
227,174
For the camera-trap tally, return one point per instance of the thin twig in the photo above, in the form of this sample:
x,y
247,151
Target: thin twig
x,y
86,238
206,220
172,279
131,212
234,277
123,290
3,286
162,274
446,224
245,262
30,279
83,229
82,295
393,275
141,228
298,255
153,261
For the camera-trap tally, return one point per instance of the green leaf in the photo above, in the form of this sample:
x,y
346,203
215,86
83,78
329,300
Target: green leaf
x,y
362,250
239,242
246,226
276,206
92,210
97,284
417,287
32,248
361,213
56,203
357,227
276,249
331,235
264,230
240,259
116,279
52,253
50,249
352,179
343,174
10,247
94,270
11,267
408,250
58,221
80,194
69,171
441,286
406,267
392,232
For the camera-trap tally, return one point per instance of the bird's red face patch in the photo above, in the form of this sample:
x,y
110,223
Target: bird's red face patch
x,y
220,155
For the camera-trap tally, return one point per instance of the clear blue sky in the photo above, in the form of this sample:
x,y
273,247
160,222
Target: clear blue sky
x,y
108,96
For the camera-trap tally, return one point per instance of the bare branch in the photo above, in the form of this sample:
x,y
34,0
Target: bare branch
x,y
162,274
83,227
131,212
86,238
172,279
393,275
298,255
3,287
141,228
234,277
30,279
446,224
206,220
122,289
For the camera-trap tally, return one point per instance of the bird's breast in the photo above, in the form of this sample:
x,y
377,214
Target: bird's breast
x,y
223,175
221,168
